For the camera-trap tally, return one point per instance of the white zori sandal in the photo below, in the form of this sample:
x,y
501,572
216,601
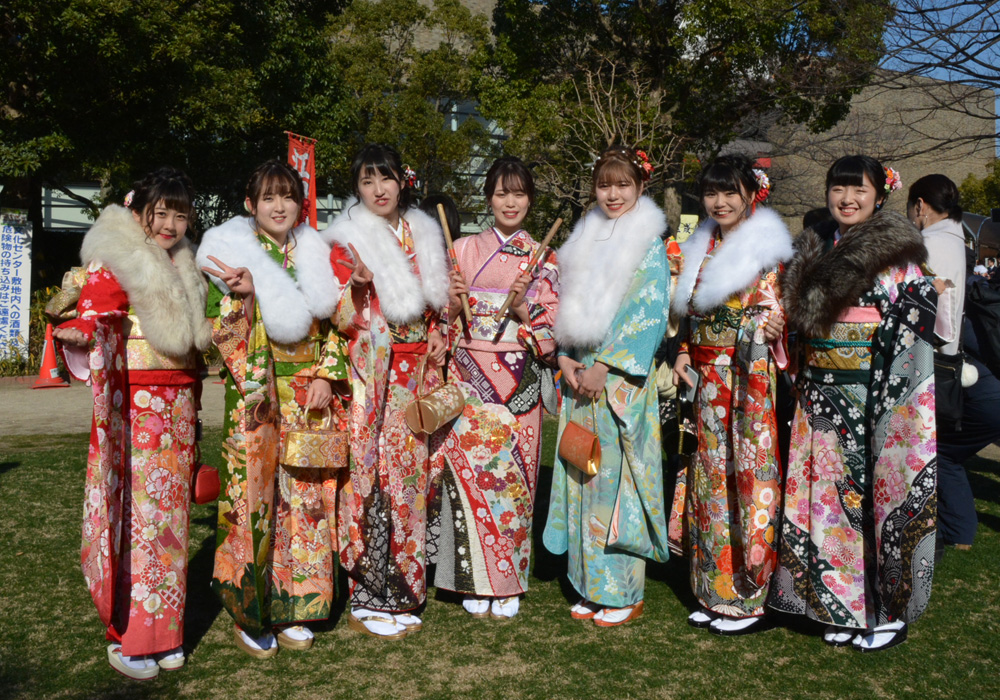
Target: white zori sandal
x,y
139,668
477,607
295,638
170,660
504,608
263,647
375,623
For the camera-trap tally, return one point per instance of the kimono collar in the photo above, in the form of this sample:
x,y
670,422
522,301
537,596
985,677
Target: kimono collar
x,y
759,244
403,294
597,265
287,306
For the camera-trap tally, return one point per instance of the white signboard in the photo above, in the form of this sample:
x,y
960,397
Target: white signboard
x,y
15,282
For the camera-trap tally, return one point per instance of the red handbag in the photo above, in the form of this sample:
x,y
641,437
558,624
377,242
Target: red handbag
x,y
205,484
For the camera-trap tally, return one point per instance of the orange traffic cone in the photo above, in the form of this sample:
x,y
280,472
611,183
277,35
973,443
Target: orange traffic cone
x,y
48,376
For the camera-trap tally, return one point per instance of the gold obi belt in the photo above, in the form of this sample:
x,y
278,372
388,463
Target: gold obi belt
x,y
721,328
844,356
484,327
143,356
301,352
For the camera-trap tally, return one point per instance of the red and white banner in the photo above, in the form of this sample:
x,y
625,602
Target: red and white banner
x,y
302,157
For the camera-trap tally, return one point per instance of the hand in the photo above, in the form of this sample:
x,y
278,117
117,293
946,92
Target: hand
x,y
70,336
239,279
941,285
569,366
436,348
592,380
520,289
360,274
456,288
773,325
319,395
680,370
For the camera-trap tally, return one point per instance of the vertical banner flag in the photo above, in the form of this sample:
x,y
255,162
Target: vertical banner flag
x,y
301,156
15,281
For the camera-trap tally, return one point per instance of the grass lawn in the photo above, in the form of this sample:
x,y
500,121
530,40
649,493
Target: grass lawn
x,y
52,645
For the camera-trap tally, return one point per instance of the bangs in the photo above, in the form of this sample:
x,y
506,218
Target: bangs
x,y
719,178
850,171
512,182
379,167
174,195
279,184
616,170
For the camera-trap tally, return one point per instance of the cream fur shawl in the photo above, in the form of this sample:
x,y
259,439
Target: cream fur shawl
x,y
165,288
760,243
287,306
402,295
596,267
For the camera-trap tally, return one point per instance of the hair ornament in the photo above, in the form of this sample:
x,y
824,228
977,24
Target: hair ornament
x,y
642,160
638,158
409,176
246,206
129,197
763,185
892,180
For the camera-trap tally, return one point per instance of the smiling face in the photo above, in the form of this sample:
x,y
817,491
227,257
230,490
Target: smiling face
x,y
510,204
380,194
164,225
276,214
728,208
617,195
852,204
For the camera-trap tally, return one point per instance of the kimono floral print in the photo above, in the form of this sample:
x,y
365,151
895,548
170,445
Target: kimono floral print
x,y
726,501
139,324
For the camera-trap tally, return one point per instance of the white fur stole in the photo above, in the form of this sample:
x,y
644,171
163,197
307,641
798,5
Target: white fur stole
x,y
596,267
165,288
287,306
402,294
760,243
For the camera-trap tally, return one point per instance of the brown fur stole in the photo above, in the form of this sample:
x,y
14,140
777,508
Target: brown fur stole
x,y
822,282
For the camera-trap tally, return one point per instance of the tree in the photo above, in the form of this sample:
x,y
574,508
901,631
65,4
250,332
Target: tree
x,y
980,195
410,70
675,77
956,43
107,90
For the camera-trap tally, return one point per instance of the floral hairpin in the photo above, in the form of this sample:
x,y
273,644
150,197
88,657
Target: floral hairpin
x,y
642,160
129,197
409,176
892,180
763,185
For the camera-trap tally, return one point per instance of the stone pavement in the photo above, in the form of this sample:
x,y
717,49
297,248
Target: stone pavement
x,y
27,411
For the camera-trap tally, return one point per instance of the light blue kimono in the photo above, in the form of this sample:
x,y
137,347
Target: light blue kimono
x,y
609,524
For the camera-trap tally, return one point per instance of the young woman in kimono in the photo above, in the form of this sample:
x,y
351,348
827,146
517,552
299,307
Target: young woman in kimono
x,y
857,539
613,313
728,293
392,260
272,298
487,490
138,336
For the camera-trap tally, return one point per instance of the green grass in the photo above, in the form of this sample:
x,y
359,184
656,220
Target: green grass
x,y
52,645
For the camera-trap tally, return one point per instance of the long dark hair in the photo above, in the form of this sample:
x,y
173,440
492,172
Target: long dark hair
x,y
939,193
382,159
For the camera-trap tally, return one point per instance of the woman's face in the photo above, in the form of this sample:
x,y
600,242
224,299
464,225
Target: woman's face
x,y
850,205
379,193
510,205
727,208
276,214
617,197
167,226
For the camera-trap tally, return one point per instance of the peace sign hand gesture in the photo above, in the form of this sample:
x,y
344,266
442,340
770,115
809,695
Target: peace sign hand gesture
x,y
360,274
238,279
